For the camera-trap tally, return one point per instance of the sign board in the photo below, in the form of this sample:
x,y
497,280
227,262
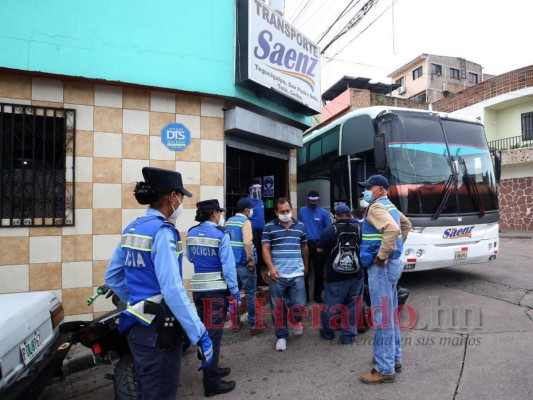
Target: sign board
x,y
175,137
277,56
268,186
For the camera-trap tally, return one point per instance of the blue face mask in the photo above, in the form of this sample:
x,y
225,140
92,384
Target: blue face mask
x,y
368,196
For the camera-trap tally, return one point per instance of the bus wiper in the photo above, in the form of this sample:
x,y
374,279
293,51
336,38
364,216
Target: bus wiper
x,y
472,187
445,195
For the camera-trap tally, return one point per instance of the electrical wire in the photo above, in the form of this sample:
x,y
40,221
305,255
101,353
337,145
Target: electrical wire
x,y
336,20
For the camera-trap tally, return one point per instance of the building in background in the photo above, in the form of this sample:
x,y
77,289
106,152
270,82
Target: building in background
x,y
91,94
429,77
505,106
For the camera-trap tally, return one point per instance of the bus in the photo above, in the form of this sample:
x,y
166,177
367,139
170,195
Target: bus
x,y
441,175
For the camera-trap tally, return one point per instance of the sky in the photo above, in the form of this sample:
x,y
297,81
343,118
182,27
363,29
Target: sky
x,y
495,34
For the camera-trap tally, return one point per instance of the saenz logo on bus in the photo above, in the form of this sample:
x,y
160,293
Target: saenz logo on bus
x,y
454,233
297,63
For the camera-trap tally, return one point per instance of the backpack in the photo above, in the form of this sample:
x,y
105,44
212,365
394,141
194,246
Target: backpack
x,y
344,257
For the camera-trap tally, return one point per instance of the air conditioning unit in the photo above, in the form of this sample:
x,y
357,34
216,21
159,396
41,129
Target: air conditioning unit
x,y
444,87
401,90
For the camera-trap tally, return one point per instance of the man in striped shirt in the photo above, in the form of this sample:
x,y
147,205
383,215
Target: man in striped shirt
x,y
286,255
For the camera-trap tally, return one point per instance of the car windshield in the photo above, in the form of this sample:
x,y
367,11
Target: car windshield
x,y
439,166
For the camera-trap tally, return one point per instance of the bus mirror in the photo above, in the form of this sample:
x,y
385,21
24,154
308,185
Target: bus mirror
x,y
380,157
498,165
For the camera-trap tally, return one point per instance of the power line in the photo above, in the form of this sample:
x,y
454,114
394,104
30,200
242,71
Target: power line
x,y
336,20
299,10
306,7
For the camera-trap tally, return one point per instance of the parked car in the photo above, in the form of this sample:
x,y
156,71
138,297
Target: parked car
x,y
31,347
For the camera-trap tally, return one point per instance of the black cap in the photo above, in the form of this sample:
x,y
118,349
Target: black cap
x,y
244,203
375,180
159,178
208,206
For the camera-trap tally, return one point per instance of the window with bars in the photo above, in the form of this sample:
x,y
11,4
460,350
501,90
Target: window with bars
x,y
417,73
454,73
36,166
527,126
472,77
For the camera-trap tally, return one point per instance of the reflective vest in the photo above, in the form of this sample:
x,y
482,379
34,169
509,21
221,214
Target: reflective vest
x,y
203,244
234,225
371,237
137,242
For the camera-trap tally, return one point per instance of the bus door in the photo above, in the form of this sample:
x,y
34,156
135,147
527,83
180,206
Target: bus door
x,y
343,181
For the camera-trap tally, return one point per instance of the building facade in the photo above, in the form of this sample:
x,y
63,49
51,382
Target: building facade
x,y
91,94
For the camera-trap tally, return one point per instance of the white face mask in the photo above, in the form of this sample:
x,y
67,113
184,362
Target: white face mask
x,y
177,211
251,213
221,221
285,217
363,203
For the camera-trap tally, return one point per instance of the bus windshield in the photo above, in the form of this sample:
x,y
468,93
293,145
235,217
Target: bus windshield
x,y
439,166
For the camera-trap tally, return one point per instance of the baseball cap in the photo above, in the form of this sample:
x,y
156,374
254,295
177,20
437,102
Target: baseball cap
x,y
244,203
342,209
375,180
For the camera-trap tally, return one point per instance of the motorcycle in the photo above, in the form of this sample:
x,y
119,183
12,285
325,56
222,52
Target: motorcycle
x,y
102,337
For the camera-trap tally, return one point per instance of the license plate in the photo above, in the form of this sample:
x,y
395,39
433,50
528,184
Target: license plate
x,y
460,255
31,347
409,267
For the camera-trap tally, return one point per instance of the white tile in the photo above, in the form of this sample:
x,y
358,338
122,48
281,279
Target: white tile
x,y
15,101
45,249
84,169
104,246
186,220
163,102
14,278
47,90
58,293
294,201
212,150
130,215
102,304
190,172
158,151
84,223
107,195
212,192
10,232
78,317
77,274
211,107
292,167
107,96
107,145
132,170
191,122
136,122
84,116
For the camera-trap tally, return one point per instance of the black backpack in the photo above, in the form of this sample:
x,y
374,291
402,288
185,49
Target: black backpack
x,y
344,257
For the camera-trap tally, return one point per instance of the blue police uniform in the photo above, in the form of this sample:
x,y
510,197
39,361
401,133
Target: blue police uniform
x,y
147,265
209,249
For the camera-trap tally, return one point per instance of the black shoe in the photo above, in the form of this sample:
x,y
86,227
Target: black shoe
x,y
222,372
223,387
318,299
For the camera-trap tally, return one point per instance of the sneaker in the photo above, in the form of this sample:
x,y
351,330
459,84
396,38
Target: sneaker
x,y
298,329
397,366
281,344
374,376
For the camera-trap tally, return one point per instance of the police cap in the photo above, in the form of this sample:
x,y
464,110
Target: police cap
x,y
209,206
159,178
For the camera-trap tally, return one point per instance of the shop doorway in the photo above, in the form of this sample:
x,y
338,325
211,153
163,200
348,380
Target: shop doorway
x,y
243,168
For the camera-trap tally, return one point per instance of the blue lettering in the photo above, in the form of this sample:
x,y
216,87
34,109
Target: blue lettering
x,y
276,57
263,42
290,57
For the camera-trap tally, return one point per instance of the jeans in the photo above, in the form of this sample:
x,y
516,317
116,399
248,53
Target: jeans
x,y
157,371
212,308
382,283
247,279
344,298
284,294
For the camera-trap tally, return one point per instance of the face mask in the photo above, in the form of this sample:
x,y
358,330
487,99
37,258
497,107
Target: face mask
x,y
363,203
251,213
312,206
177,211
285,217
221,221
368,196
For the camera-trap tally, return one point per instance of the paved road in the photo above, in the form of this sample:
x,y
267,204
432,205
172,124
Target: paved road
x,y
472,339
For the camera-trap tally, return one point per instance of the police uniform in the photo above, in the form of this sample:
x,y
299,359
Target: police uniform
x,y
209,250
146,266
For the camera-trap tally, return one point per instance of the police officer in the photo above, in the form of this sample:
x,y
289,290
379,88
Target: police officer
x,y
209,249
240,230
145,272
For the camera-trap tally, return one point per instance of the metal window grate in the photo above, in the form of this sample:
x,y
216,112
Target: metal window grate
x,y
37,165
527,126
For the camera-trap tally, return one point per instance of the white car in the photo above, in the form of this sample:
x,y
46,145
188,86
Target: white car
x,y
31,348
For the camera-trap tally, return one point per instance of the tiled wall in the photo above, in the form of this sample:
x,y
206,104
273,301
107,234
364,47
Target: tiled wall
x,y
516,204
118,131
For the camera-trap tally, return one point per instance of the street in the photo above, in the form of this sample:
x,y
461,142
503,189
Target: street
x,y
471,339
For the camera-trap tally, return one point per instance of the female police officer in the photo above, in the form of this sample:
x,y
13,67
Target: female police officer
x,y
145,272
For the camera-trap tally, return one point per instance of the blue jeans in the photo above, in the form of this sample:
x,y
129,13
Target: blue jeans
x,y
284,294
384,298
340,298
248,281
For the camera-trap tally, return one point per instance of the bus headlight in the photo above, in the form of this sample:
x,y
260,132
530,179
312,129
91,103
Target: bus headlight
x,y
419,253
407,252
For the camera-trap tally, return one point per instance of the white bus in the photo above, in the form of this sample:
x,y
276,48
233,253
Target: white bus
x,y
440,170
